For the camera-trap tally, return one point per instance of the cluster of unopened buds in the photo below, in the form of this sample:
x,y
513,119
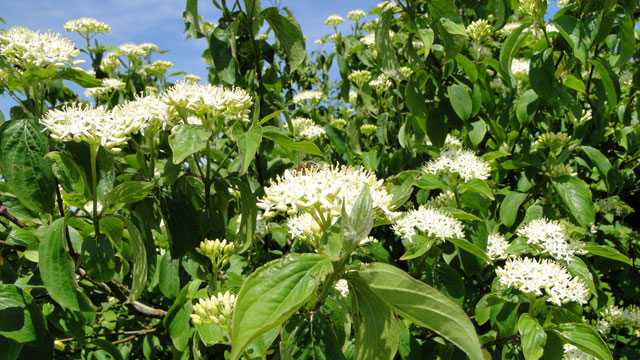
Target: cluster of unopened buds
x,y
217,309
217,251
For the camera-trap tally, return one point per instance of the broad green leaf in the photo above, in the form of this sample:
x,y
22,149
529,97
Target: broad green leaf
x,y
376,327
527,106
460,214
79,77
139,255
606,252
278,136
361,216
609,86
426,35
553,347
460,100
510,206
273,293
447,280
414,99
289,33
477,132
430,182
478,186
109,347
470,248
222,48
576,196
627,40
585,338
169,276
187,139
448,22
98,258
401,187
129,192
20,317
419,245
38,74
23,147
10,349
191,19
574,83
542,73
572,30
421,304
70,176
309,336
602,164
58,270
533,337
177,320
248,143
468,67
249,212
182,222
509,49
386,59
578,268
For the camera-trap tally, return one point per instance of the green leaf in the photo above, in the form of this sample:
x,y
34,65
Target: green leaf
x,y
421,304
420,245
98,258
20,317
248,143
606,252
169,276
289,33
70,176
401,187
573,31
58,270
222,48
249,212
607,82
460,214
277,135
273,293
182,222
627,40
377,331
574,83
509,49
23,147
361,217
460,100
387,60
129,192
477,132
426,35
527,106
578,268
191,19
109,347
307,336
10,349
585,338
79,77
468,67
470,248
38,74
533,337
510,206
187,139
602,164
478,186
430,182
448,22
576,195
542,73
139,255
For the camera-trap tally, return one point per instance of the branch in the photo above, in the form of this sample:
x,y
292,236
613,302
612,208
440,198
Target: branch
x,y
4,212
131,332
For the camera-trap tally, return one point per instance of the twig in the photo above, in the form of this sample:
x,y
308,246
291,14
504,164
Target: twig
x,y
4,212
15,246
130,332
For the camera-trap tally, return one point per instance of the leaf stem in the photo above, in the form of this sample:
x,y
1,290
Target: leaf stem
x,y
93,148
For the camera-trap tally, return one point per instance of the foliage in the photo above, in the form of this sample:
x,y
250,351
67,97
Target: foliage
x,y
467,188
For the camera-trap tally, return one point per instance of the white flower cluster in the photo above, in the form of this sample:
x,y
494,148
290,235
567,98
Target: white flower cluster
x,y
210,101
86,26
381,83
110,61
618,317
150,110
334,20
343,287
479,29
190,78
520,68
304,227
30,49
109,85
355,15
497,247
306,128
551,237
353,97
215,310
359,77
321,193
571,352
217,251
459,161
369,39
157,68
389,5
94,126
450,142
313,96
131,50
533,276
434,223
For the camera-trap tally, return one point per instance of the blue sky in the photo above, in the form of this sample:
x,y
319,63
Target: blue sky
x,y
159,22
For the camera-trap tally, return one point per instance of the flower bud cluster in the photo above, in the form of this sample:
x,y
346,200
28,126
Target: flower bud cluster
x,y
215,310
334,20
86,27
434,223
32,49
157,68
558,170
368,129
614,206
217,251
618,317
381,83
355,15
359,77
338,123
551,237
444,199
533,276
479,29
553,141
306,128
314,97
209,101
109,85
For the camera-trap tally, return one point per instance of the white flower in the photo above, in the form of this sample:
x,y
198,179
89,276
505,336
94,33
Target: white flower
x,y
551,237
459,161
313,96
430,222
94,126
304,227
85,26
209,100
389,5
353,97
29,49
533,276
306,128
109,85
190,78
131,50
355,15
321,193
381,83
110,61
215,310
343,287
334,20
497,247
520,67
618,317
149,110
571,352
